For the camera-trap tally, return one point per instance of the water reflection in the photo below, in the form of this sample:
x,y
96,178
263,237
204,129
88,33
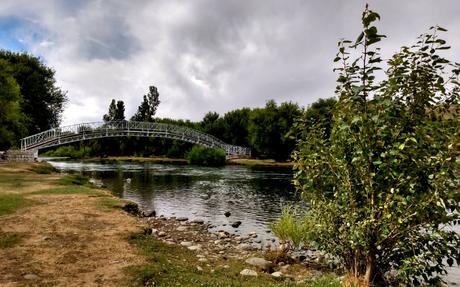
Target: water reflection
x,y
253,196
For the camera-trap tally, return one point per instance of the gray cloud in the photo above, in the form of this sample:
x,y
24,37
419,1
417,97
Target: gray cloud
x,y
208,55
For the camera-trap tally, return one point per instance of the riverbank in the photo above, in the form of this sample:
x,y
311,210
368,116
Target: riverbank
x,y
59,230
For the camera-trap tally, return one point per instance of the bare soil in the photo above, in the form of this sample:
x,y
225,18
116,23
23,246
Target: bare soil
x,y
66,240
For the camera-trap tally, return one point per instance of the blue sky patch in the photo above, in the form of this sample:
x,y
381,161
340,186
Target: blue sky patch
x,y
10,28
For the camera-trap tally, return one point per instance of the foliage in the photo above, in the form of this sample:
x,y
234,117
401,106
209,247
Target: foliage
x,y
384,188
268,128
317,116
69,151
291,228
116,112
12,120
147,109
42,101
200,155
43,168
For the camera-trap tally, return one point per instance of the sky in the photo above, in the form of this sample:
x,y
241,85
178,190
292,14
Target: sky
x,y
204,55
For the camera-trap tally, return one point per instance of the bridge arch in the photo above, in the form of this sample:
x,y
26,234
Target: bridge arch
x,y
95,130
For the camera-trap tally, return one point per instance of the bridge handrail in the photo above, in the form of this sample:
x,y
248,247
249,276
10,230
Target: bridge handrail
x,y
80,129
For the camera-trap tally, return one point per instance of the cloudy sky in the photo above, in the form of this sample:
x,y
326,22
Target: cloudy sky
x,y
203,55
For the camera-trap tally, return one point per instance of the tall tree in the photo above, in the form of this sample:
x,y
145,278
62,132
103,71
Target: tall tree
x,y
42,101
116,111
148,108
11,117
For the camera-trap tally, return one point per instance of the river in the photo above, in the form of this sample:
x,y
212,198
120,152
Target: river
x,y
253,196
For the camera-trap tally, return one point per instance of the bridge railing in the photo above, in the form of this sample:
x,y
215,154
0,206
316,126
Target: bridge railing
x,y
72,133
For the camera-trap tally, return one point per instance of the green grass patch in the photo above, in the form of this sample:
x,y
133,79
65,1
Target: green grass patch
x,y
110,203
171,265
8,240
9,203
74,179
43,168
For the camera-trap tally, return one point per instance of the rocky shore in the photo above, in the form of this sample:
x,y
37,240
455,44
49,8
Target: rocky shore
x,y
211,247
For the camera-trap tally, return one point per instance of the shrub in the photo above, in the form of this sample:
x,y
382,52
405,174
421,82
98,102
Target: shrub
x,y
384,188
200,155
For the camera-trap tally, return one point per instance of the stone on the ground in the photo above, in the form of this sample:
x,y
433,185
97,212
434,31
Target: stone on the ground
x,y
181,228
203,260
227,214
161,234
236,224
260,263
194,247
277,274
199,268
182,219
131,208
30,276
248,272
186,243
245,246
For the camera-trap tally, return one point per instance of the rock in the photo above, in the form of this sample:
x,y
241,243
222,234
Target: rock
x,y
203,260
236,224
248,272
161,234
277,274
223,234
151,213
227,213
260,263
182,219
194,247
186,243
181,228
285,268
199,268
245,246
197,221
31,276
131,208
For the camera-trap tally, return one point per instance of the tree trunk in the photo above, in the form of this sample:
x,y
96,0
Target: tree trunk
x,y
370,268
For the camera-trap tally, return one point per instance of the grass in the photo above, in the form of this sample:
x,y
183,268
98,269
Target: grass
x,y
8,240
110,203
74,179
9,203
77,189
43,168
170,265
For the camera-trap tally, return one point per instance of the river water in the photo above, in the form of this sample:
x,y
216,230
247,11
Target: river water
x,y
253,196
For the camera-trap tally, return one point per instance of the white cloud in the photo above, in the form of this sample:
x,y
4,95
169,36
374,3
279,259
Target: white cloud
x,y
206,55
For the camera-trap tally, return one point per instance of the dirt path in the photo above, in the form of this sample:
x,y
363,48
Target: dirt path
x,y
65,239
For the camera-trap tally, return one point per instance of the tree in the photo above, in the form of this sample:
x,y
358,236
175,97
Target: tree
x,y
213,124
116,111
147,109
42,101
12,120
236,127
317,115
383,189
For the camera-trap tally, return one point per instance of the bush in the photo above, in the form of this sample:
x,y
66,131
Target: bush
x,y
69,151
200,155
384,188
